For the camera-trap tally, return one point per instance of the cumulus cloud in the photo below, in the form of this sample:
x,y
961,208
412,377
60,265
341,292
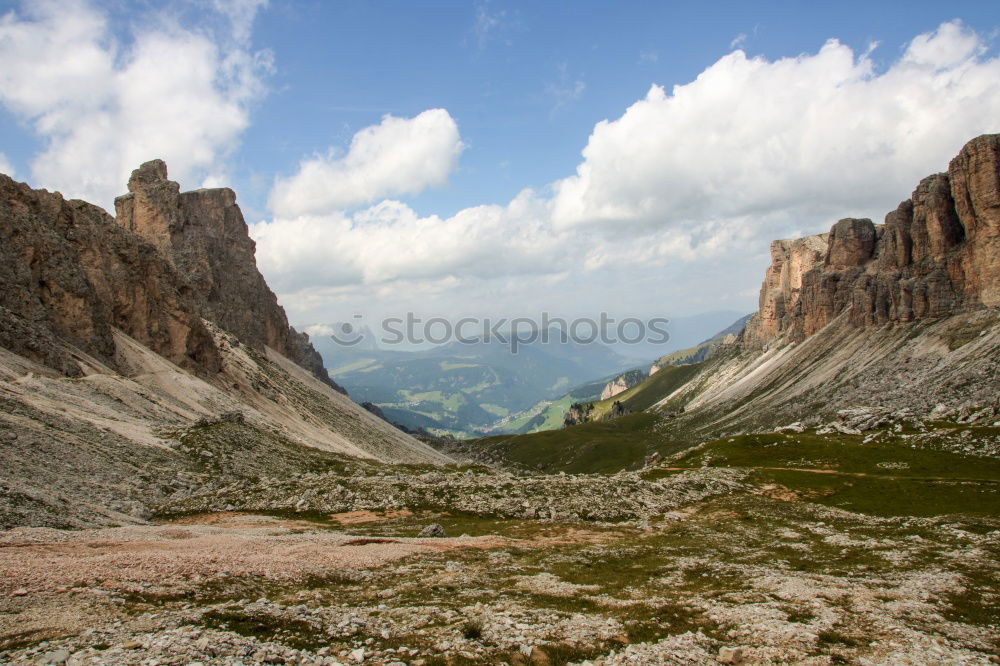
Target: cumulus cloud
x,y
102,104
389,241
684,182
816,135
398,156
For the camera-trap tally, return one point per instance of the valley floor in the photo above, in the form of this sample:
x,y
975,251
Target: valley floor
x,y
799,548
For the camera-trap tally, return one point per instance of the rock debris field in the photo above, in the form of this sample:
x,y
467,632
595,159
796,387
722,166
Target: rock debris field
x,y
699,560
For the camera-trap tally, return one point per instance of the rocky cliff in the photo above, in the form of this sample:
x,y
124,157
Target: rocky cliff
x,y
937,254
145,358
70,275
203,235
622,383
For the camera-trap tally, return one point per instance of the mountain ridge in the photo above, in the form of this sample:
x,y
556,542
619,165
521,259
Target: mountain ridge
x,y
872,324
129,374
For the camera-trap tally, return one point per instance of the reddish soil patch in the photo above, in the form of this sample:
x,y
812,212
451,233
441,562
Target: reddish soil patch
x,y
168,558
233,519
361,517
364,541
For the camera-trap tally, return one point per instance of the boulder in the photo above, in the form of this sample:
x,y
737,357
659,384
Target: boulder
x,y
731,655
432,530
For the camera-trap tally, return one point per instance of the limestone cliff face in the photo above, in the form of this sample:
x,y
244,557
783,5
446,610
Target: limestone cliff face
x,y
937,254
622,383
975,189
203,234
780,294
69,273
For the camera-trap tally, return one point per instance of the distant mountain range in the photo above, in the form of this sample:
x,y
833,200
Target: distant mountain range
x,y
469,390
465,389
551,413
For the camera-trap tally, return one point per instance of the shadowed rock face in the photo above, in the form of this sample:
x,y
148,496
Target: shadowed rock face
x,y
937,254
68,273
203,234
851,243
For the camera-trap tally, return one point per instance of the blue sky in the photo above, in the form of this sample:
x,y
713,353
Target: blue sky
x,y
526,82
483,177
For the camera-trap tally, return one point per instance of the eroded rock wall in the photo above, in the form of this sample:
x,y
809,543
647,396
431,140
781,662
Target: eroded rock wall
x,y
68,272
204,235
937,254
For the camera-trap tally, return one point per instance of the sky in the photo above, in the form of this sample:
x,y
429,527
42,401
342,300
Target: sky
x,y
503,158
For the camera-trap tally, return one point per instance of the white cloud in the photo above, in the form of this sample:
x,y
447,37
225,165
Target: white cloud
x,y
738,41
686,185
813,136
950,46
5,166
396,157
389,242
318,330
103,105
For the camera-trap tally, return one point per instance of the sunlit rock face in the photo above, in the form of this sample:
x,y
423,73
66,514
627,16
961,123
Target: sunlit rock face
x,y
937,254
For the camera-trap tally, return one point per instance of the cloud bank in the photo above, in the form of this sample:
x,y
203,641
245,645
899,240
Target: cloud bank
x,y
701,176
818,133
101,106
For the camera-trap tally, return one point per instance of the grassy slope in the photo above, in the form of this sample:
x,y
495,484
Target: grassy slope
x,y
652,389
602,446
896,474
548,415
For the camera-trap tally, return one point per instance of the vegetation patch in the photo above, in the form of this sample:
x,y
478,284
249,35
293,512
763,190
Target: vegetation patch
x,y
293,633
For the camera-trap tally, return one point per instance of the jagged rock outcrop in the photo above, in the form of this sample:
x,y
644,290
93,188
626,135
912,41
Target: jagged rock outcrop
x,y
617,410
203,234
975,188
780,293
69,275
622,383
578,413
120,384
937,254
